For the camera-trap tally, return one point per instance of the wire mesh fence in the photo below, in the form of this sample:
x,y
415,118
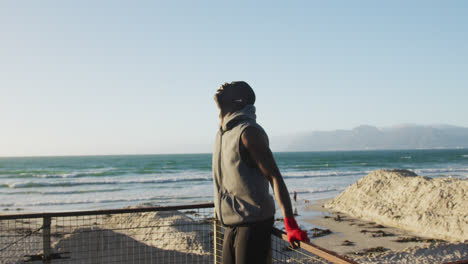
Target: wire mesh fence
x,y
181,234
176,234
20,238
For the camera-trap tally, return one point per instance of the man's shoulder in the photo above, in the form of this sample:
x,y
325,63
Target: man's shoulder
x,y
250,123
254,133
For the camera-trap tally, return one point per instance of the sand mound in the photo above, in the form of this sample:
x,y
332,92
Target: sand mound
x,y
169,230
435,208
95,245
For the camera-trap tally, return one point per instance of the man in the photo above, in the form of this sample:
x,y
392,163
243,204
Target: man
x,y
243,166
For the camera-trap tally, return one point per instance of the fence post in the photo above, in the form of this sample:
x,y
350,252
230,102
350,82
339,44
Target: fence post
x,y
46,238
218,242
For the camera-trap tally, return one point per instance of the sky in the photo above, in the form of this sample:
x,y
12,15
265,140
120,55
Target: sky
x,y
138,77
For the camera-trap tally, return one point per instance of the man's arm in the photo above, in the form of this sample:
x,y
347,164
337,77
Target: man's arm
x,y
256,145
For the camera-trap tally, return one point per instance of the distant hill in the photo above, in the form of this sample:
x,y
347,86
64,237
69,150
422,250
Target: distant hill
x,y
371,138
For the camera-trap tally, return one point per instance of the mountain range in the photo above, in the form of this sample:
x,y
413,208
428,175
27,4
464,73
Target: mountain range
x,y
367,137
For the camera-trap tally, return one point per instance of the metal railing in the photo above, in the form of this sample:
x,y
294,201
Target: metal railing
x,y
170,234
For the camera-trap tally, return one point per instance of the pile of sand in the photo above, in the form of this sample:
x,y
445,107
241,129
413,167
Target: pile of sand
x,y
163,236
169,230
434,208
95,245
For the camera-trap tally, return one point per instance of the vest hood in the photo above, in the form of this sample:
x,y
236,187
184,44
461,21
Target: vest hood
x,y
248,112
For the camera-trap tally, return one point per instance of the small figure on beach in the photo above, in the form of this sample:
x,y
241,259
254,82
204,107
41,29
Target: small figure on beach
x,y
243,168
295,196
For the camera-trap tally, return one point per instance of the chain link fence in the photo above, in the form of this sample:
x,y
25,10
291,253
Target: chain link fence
x,y
173,234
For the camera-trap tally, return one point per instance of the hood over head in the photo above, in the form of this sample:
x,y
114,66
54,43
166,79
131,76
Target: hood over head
x,y
248,112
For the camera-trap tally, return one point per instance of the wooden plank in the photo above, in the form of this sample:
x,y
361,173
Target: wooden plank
x,y
316,250
458,262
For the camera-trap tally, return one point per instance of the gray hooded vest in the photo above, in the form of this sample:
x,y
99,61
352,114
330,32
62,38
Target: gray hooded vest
x,y
241,192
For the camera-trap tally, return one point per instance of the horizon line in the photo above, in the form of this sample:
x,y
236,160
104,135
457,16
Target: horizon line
x,y
202,153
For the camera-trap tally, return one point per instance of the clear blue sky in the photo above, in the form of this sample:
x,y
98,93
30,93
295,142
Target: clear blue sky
x,y
138,77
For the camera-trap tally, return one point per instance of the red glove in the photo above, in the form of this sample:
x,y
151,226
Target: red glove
x,y
293,231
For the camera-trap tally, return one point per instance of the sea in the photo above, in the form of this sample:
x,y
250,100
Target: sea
x,y
57,184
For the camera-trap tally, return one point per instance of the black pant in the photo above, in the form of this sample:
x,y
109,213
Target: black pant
x,y
248,243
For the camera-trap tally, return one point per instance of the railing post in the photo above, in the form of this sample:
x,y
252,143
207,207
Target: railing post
x,y
218,242
46,238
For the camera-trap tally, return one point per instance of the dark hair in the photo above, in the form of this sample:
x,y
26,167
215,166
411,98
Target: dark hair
x,y
247,92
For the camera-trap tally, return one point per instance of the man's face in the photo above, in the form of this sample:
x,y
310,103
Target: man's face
x,y
225,96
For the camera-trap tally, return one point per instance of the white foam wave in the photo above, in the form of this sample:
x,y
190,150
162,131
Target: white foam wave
x,y
83,173
32,184
312,174
81,191
441,171
322,190
106,201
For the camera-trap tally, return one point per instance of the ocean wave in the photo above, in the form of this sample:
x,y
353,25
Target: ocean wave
x,y
312,166
106,201
322,190
32,184
315,174
79,174
65,192
465,156
149,171
46,174
91,173
26,173
8,172
441,171
22,192
83,191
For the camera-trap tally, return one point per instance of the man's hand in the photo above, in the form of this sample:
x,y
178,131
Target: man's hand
x,y
294,232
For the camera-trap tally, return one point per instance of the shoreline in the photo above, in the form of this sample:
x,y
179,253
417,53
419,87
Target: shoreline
x,y
368,242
